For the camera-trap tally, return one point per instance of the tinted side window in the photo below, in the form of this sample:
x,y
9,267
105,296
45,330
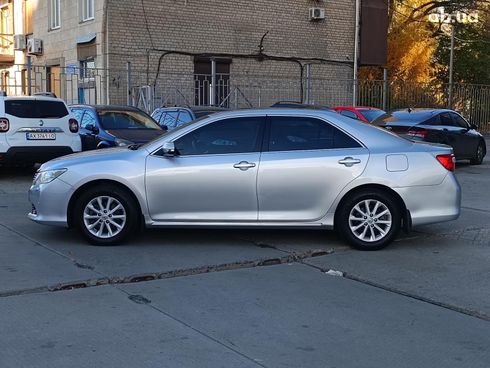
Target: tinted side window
x,y
77,113
36,109
446,119
296,133
349,114
435,120
239,135
169,119
184,117
459,121
157,114
88,119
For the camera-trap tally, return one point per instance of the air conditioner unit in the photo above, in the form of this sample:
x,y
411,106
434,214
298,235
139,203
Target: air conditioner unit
x,y
34,46
19,42
317,13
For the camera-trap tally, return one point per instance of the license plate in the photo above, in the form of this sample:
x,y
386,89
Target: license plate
x,y
41,136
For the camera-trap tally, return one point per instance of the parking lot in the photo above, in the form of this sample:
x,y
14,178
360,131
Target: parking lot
x,y
245,298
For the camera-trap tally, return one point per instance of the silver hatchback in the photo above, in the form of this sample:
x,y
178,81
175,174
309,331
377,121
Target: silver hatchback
x,y
254,168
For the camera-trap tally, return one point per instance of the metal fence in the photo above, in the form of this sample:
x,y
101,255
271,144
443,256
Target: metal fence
x,y
141,89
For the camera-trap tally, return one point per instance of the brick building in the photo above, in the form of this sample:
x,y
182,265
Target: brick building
x,y
173,46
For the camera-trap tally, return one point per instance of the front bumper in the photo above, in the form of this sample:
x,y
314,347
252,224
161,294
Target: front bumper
x,y
50,203
433,203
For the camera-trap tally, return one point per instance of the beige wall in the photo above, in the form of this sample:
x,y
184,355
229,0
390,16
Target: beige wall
x,y
61,43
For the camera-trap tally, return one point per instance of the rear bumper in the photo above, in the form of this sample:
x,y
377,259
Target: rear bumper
x,y
433,203
32,155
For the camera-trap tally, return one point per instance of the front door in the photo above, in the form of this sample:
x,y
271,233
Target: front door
x,y
212,177
305,165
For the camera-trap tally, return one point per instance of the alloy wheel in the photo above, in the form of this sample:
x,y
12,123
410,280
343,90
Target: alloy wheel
x,y
104,217
370,220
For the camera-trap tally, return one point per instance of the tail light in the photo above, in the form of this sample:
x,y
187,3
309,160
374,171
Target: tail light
x,y
73,125
4,125
418,133
448,161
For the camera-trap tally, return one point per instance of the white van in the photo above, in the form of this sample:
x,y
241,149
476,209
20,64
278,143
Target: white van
x,y
36,129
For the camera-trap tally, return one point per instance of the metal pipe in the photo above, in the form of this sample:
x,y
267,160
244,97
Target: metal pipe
x,y
129,92
385,89
451,68
356,52
29,77
308,84
212,97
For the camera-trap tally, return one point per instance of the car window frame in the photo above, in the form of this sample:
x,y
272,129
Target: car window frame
x,y
259,144
266,138
467,124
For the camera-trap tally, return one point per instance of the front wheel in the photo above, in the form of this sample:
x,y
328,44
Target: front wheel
x,y
369,220
106,215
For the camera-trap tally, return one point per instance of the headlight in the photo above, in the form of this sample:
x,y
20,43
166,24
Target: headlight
x,y
123,142
45,177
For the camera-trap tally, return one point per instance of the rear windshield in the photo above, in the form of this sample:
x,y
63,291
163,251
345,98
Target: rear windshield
x,y
36,109
372,115
114,120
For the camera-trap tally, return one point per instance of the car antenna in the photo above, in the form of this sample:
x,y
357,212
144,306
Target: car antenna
x,y
409,109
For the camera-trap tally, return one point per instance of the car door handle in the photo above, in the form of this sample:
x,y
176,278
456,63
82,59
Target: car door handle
x,y
244,165
349,161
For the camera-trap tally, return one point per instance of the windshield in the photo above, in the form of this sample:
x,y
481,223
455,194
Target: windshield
x,y
371,115
116,120
180,127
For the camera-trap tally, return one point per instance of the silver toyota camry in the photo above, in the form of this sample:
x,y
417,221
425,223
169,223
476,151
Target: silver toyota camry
x,y
254,168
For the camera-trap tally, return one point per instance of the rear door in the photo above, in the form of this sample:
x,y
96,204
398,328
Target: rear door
x,y
305,164
468,139
38,122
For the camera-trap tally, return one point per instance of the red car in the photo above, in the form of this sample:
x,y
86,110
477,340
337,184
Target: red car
x,y
363,113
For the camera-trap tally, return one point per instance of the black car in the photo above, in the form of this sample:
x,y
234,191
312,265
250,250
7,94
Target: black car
x,y
112,126
437,126
172,117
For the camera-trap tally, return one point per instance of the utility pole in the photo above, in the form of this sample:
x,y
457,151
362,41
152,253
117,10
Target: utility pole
x,y
356,53
451,68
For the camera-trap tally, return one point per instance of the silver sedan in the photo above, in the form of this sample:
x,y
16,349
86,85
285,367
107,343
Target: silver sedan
x,y
254,168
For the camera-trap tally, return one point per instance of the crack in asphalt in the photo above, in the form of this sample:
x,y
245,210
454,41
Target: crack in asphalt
x,y
362,280
143,277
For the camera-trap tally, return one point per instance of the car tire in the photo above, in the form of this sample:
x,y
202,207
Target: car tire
x,y
106,215
369,219
479,155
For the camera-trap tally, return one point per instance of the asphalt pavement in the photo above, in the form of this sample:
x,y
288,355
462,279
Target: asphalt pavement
x,y
245,298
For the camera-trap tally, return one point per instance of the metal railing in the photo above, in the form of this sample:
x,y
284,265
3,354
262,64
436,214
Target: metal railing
x,y
102,86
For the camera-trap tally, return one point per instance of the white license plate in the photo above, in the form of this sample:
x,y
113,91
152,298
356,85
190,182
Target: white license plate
x,y
41,136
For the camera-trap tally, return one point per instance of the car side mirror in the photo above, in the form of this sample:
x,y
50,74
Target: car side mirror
x,y
164,128
168,149
473,126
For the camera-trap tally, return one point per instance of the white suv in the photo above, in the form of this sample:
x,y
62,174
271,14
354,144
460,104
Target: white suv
x,y
36,129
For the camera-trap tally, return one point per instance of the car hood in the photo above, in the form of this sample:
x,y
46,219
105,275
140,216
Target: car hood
x,y
136,135
100,155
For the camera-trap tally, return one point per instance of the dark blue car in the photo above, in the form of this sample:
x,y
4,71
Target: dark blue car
x,y
112,126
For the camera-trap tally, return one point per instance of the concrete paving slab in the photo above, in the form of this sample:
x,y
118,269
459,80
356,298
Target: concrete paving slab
x,y
25,265
296,316
101,327
447,270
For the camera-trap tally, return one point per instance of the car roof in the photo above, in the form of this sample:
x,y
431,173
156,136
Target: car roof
x,y
107,107
352,108
33,98
193,108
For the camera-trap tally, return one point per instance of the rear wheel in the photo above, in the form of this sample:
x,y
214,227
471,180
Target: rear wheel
x,y
479,155
369,220
106,215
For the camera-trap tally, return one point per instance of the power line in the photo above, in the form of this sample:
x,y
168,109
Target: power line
x,y
146,23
